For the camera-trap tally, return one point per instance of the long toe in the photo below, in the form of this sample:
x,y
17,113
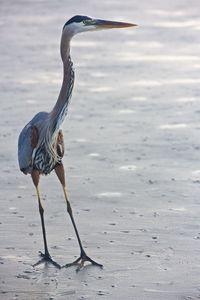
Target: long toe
x,y
81,261
93,262
46,258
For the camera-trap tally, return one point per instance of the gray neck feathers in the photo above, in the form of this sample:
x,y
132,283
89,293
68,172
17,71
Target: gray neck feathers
x,y
57,115
59,111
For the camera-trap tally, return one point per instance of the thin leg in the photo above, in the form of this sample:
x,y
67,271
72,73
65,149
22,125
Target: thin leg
x,y
83,256
46,257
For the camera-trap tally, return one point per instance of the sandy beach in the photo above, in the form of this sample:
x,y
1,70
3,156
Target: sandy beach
x,y
132,158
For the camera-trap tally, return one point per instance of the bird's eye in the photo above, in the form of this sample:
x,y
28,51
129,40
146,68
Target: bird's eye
x,y
89,22
85,22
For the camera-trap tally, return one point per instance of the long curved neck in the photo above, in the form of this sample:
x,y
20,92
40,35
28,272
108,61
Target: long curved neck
x,y
58,113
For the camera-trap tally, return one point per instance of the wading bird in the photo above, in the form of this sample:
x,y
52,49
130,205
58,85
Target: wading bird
x,y
41,144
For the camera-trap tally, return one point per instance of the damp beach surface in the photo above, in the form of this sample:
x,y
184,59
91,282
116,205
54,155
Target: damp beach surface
x,y
132,158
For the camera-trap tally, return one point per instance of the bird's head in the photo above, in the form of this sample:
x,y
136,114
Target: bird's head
x,y
79,24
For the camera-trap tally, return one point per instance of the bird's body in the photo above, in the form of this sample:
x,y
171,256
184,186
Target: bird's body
x,y
41,143
39,147
43,156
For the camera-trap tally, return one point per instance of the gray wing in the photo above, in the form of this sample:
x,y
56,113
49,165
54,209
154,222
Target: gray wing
x,y
25,149
26,143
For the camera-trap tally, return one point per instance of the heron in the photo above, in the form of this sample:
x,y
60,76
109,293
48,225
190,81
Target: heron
x,y
41,141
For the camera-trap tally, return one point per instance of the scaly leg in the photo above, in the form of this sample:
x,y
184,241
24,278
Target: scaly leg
x,y
46,257
83,256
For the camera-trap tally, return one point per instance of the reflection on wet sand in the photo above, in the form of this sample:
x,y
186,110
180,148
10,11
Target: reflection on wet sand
x,y
164,82
164,58
94,154
128,168
195,24
166,13
101,89
173,126
126,111
187,99
110,194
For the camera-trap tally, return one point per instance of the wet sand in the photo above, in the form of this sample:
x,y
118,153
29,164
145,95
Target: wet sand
x,y
132,151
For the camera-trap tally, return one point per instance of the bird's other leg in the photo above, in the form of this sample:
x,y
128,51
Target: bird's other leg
x,y
83,256
46,257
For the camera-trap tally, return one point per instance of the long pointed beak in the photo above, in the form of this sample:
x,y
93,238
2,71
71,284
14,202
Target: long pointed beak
x,y
111,24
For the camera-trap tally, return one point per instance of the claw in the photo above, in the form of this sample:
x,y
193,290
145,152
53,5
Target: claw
x,y
46,258
79,262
